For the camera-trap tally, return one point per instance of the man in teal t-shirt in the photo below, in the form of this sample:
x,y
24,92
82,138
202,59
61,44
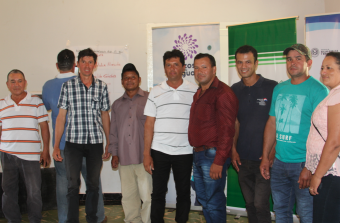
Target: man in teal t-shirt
x,y
293,103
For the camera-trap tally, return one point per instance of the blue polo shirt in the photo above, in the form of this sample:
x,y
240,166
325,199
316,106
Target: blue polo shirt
x,y
50,96
253,113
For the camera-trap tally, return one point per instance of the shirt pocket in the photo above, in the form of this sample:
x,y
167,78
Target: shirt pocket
x,y
95,103
205,111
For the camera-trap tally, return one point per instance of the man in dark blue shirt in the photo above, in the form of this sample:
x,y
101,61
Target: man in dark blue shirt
x,y
254,93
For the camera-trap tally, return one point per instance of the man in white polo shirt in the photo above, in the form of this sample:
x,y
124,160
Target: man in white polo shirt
x,y
21,114
166,137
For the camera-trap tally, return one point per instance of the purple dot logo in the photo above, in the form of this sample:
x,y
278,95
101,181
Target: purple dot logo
x,y
187,45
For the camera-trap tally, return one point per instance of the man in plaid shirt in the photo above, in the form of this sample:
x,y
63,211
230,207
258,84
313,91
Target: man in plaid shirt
x,y
86,100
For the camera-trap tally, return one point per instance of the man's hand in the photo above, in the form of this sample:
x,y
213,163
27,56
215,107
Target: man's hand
x,y
304,179
216,171
148,164
45,158
235,160
106,152
264,168
114,162
56,154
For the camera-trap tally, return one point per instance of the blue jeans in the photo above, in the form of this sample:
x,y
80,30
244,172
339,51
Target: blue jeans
x,y
209,192
61,189
285,191
326,206
12,168
73,156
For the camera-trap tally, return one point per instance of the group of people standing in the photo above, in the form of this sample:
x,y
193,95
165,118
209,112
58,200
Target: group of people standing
x,y
262,125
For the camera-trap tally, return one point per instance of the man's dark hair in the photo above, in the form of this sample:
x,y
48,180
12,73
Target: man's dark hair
x,y
87,53
65,60
246,49
16,71
129,67
336,56
203,55
174,53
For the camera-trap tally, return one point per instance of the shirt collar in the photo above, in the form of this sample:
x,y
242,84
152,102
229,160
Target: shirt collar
x,y
9,100
165,85
140,93
257,84
213,84
65,75
94,81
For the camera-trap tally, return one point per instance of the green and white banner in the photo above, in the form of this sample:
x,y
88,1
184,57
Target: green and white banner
x,y
269,38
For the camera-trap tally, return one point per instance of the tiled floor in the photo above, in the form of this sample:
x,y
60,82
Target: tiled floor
x,y
115,214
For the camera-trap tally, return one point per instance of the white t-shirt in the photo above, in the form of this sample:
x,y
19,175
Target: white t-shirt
x,y
171,107
20,126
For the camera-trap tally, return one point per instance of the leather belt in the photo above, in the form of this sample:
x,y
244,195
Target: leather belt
x,y
201,148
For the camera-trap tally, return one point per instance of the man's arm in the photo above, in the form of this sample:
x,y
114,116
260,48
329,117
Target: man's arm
x,y
226,112
148,136
235,158
269,139
113,147
59,130
45,158
106,127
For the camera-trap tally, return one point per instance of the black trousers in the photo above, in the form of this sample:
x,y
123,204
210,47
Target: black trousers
x,y
256,191
74,154
181,166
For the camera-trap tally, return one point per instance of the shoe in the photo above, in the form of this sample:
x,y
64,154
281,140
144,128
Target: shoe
x,y
105,220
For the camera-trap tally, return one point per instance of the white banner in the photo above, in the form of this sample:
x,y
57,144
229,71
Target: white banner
x,y
191,40
322,36
110,63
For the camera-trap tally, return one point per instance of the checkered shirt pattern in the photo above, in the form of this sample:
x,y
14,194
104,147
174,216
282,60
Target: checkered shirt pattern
x,y
84,108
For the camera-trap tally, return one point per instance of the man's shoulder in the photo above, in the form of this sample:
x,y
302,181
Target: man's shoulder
x,y
236,86
269,82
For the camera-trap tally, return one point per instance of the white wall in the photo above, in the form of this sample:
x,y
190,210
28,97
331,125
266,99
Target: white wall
x,y
33,32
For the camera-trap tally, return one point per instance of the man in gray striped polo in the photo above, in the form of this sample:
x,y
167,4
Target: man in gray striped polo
x,y
166,137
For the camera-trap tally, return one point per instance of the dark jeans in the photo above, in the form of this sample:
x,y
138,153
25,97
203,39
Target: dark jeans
x,y
326,205
12,168
74,154
255,190
210,193
181,167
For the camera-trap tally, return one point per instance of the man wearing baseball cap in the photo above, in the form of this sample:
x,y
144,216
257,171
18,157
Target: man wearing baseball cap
x,y
293,103
127,147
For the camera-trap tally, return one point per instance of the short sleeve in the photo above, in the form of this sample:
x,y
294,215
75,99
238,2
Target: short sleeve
x,y
105,102
63,98
41,112
334,99
319,95
272,105
150,107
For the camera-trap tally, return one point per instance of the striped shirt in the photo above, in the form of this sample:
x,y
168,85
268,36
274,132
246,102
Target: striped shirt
x,y
20,126
171,107
84,108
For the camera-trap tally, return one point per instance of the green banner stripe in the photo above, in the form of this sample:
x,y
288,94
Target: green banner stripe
x,y
269,36
263,55
269,59
263,64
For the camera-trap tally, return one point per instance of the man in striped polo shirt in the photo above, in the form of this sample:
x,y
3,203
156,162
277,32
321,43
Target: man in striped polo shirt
x,y
21,114
166,142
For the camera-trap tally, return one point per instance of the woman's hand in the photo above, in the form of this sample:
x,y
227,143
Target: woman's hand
x,y
314,185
